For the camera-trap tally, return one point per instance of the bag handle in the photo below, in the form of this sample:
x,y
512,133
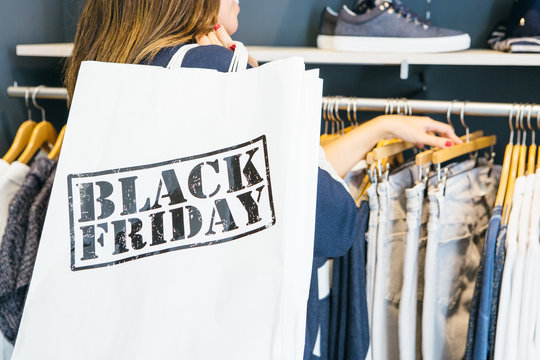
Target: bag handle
x,y
238,63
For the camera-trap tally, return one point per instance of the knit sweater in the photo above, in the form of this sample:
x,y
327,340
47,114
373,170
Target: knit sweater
x,y
36,219
13,244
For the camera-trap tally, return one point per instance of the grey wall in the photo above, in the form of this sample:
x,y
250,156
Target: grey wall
x,y
281,22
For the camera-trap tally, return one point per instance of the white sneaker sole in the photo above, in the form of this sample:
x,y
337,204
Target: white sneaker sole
x,y
393,44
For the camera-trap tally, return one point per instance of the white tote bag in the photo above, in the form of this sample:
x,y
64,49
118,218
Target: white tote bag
x,y
181,219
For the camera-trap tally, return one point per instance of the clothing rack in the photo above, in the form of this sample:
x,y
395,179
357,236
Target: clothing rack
x,y
44,92
360,104
432,107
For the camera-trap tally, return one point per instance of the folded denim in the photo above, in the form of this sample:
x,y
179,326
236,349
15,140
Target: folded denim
x,y
460,209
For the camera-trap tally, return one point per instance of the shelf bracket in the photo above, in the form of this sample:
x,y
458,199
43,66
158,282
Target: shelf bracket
x,y
404,69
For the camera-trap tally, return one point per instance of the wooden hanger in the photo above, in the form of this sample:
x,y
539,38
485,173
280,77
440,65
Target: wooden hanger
x,y
43,135
443,155
424,158
55,152
516,160
507,162
22,136
531,161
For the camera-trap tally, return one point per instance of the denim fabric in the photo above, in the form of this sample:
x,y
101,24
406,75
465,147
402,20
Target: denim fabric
x,y
373,225
500,256
480,333
475,306
458,219
514,315
371,262
349,329
410,307
509,266
391,235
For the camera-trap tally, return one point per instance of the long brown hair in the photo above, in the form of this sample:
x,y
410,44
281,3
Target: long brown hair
x,y
132,31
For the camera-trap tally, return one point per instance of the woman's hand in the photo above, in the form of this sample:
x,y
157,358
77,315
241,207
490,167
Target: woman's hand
x,y
347,150
419,130
220,37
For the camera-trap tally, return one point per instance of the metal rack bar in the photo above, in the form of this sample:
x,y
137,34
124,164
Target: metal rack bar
x,y
431,107
344,103
44,92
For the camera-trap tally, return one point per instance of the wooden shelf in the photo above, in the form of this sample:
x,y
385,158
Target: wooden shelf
x,y
45,50
478,57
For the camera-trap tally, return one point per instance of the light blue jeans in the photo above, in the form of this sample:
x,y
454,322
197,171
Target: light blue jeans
x,y
458,218
392,232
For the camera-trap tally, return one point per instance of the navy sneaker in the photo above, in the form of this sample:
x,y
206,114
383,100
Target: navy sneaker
x,y
521,34
386,27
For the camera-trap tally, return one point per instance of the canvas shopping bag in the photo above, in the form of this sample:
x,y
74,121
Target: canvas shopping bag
x,y
181,220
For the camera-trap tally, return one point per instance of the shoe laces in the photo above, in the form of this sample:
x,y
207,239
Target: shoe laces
x,y
407,13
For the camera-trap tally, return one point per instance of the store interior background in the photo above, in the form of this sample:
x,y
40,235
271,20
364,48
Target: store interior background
x,y
282,23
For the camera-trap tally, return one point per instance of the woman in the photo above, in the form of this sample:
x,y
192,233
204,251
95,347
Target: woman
x,y
151,31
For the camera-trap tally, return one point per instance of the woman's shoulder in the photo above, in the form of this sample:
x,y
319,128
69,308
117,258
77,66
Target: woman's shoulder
x,y
206,57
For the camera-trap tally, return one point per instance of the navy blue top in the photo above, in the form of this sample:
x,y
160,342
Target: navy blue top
x,y
336,213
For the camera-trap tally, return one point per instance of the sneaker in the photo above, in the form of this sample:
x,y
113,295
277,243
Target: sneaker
x,y
386,27
521,34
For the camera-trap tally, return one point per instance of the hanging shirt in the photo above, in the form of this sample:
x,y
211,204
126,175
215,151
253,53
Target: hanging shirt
x,y
36,219
10,182
514,314
3,166
530,293
509,265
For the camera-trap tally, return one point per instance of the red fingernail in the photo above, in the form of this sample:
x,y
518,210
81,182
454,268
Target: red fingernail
x,y
449,144
232,47
217,27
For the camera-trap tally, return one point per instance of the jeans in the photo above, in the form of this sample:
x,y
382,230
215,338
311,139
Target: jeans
x,y
371,262
480,333
391,235
500,256
412,292
458,219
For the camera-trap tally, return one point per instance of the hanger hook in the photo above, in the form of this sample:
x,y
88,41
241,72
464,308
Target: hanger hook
x,y
336,110
392,103
521,123
462,119
510,123
324,107
538,118
354,114
529,114
26,103
349,110
449,113
518,128
36,90
399,106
